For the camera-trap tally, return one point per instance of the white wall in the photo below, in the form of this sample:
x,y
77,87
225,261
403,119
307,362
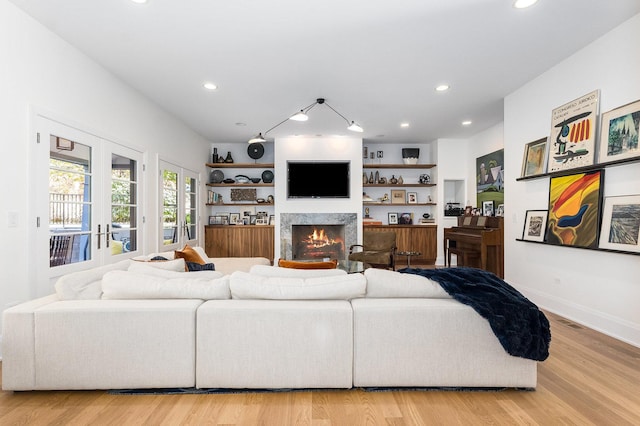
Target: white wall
x,y
598,289
40,71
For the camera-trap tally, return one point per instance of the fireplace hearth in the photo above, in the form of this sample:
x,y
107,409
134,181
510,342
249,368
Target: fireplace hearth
x,y
317,242
317,236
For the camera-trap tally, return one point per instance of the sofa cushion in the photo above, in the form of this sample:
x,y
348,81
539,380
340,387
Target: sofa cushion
x,y
148,269
189,255
276,271
177,265
135,285
84,285
249,286
382,283
294,264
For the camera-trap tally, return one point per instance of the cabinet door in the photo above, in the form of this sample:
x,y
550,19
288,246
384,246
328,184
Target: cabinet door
x,y
403,238
240,241
423,239
216,241
263,242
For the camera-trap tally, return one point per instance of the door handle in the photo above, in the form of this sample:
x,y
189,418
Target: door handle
x,y
99,234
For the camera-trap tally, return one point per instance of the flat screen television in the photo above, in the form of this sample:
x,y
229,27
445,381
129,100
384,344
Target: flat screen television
x,y
318,179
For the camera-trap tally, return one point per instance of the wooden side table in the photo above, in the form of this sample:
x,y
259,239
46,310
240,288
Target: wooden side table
x,y
408,254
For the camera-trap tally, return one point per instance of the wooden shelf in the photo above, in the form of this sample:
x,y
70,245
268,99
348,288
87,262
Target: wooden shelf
x,y
399,185
365,203
578,247
398,166
239,204
582,169
239,185
240,165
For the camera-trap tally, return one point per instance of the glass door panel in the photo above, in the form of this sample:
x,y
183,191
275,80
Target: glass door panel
x,y
123,236
169,207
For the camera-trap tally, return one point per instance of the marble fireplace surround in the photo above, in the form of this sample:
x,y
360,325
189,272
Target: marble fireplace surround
x,y
349,220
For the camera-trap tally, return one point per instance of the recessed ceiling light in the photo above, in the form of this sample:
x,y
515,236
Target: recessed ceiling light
x,y
521,4
139,1
467,123
240,124
404,124
210,86
442,88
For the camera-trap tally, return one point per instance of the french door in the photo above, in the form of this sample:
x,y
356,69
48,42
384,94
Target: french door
x,y
86,201
179,221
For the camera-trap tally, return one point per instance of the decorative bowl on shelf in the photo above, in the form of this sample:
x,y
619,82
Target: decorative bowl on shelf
x,y
216,176
255,180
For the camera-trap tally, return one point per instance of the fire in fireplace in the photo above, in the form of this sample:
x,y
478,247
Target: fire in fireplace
x,y
318,241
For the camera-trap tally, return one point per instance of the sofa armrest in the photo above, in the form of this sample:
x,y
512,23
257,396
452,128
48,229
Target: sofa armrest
x,y
18,344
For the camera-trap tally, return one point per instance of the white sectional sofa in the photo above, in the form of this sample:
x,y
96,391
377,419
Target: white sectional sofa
x,y
269,327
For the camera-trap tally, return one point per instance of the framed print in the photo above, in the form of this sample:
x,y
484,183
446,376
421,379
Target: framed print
x,y
500,210
534,160
619,133
468,211
393,218
535,223
574,209
398,196
252,219
212,220
412,198
573,126
272,219
365,152
262,220
234,219
490,178
405,219
621,223
487,208
63,144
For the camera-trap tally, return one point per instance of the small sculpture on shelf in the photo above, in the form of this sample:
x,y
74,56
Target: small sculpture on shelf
x,y
424,179
393,180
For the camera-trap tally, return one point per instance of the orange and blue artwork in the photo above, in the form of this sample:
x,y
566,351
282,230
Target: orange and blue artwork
x,y
574,209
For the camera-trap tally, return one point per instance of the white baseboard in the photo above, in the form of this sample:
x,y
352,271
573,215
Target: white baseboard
x,y
615,327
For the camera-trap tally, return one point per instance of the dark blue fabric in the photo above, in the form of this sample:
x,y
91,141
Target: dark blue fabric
x,y
522,329
193,266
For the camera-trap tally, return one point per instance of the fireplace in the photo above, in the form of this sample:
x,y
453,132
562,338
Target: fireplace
x,y
317,242
317,235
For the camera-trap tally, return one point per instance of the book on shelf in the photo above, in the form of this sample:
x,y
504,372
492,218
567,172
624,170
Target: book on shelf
x,y
371,221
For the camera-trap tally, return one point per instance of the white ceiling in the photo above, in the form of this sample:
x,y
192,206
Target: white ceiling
x,y
375,61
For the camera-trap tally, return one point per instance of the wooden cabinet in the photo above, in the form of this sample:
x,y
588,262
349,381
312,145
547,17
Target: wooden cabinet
x,y
421,238
239,241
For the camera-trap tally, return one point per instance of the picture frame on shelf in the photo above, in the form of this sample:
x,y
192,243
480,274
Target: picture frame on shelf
x,y
262,220
272,219
572,140
535,225
487,208
392,218
621,223
234,219
619,131
534,161
500,210
398,196
574,209
412,198
212,220
405,219
252,219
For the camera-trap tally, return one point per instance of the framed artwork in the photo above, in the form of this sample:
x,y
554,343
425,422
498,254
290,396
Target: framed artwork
x,y
262,220
487,208
393,218
405,219
535,224
272,220
500,210
252,219
398,196
619,133
574,209
468,211
534,160
572,140
490,178
234,219
365,152
212,220
621,223
412,198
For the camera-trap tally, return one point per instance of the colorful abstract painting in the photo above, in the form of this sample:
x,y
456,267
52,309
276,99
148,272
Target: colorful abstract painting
x,y
573,127
490,178
574,209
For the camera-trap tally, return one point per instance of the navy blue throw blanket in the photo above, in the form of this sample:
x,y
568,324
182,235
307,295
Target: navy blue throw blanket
x,y
521,328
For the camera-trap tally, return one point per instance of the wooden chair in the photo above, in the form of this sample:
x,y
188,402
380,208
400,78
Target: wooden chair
x,y
378,249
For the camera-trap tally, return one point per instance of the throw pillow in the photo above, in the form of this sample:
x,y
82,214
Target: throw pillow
x,y
193,266
331,264
189,255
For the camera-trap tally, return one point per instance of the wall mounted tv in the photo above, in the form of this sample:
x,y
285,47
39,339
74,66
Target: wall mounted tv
x,y
318,179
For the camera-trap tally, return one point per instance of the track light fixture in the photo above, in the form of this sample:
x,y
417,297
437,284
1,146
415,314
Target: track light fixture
x,y
302,116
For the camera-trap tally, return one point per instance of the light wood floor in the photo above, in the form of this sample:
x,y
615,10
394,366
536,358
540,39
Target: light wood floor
x,y
588,379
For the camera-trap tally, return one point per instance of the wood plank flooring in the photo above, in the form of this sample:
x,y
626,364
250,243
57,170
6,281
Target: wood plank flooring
x,y
589,379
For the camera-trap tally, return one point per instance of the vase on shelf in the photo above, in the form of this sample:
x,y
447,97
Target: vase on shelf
x,y
229,158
